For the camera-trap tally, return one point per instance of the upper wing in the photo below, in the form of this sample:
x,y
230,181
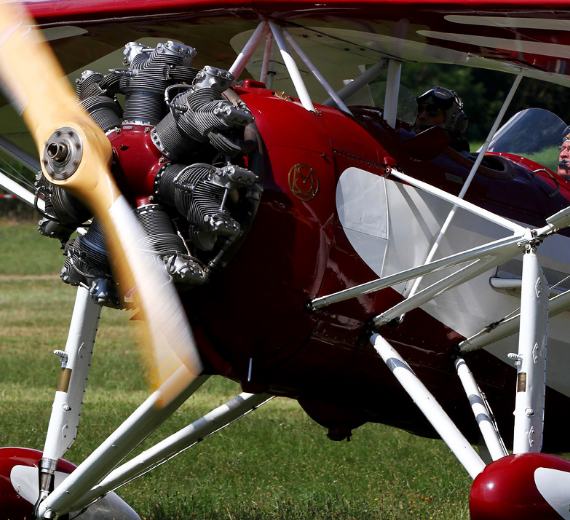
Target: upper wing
x,y
341,37
504,35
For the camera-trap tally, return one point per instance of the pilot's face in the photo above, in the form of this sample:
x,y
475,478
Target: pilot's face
x,y
564,160
428,115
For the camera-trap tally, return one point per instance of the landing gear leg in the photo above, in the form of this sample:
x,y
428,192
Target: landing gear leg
x,y
531,358
66,410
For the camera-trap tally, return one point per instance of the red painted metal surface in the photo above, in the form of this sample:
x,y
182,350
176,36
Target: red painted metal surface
x,y
14,506
404,19
252,311
74,7
137,160
298,249
506,489
428,27
254,308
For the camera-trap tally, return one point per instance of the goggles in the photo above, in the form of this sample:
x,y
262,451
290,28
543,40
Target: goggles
x,y
430,109
443,97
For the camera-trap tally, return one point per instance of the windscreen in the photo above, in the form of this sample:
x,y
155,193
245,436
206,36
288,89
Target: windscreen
x,y
533,133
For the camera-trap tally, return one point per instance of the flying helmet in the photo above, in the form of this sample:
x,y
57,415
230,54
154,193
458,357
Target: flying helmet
x,y
451,104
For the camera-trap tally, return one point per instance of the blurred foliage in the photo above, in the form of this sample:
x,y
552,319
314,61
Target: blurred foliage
x,y
483,92
15,171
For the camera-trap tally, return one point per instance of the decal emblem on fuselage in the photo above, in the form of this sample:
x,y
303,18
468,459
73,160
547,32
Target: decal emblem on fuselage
x,y
303,182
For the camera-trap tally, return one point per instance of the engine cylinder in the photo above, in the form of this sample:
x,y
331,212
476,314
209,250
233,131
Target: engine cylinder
x,y
105,111
160,235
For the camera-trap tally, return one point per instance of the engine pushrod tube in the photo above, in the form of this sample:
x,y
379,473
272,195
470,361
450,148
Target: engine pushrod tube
x,y
119,444
429,406
212,422
486,424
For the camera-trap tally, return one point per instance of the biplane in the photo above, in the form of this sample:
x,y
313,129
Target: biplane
x,y
235,182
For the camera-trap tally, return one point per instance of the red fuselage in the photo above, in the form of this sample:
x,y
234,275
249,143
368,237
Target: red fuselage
x,y
251,320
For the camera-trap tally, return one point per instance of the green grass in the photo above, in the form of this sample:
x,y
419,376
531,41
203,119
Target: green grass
x,y
547,157
23,251
273,464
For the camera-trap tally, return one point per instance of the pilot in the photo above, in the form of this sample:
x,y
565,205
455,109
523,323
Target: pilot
x,y
564,157
443,107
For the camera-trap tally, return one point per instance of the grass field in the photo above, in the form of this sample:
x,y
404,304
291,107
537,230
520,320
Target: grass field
x,y
273,464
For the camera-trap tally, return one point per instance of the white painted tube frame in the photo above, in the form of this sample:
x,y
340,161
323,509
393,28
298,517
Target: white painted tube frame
x,y
360,82
266,58
453,280
531,358
292,68
502,249
498,247
20,192
426,402
559,303
515,284
250,47
392,92
486,424
555,222
470,177
460,203
212,422
117,446
66,409
320,78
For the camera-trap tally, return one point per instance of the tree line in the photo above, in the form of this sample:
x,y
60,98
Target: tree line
x,y
484,91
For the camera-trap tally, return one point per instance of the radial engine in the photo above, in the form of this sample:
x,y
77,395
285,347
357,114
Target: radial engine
x,y
186,154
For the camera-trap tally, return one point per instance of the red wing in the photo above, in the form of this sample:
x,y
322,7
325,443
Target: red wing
x,y
341,37
532,35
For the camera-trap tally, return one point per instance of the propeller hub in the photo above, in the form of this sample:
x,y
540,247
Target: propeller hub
x,y
62,153
57,151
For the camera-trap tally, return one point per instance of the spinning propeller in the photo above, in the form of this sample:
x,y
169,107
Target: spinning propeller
x,y
76,154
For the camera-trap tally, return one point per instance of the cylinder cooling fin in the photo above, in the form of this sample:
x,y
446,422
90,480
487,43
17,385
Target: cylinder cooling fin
x,y
183,145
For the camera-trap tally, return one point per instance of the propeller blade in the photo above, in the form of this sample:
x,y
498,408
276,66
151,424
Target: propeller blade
x,y
76,155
